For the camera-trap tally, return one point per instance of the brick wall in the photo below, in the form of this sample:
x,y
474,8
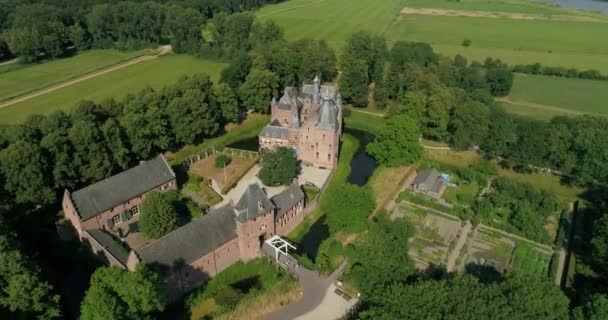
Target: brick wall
x,y
249,234
291,219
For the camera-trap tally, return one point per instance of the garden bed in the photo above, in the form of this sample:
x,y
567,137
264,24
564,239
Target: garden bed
x,y
223,176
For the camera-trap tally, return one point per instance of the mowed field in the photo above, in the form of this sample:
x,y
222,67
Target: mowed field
x,y
544,96
514,40
154,73
31,77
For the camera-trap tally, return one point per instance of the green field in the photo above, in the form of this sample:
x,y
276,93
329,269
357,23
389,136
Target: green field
x,y
31,77
154,73
558,96
526,258
514,41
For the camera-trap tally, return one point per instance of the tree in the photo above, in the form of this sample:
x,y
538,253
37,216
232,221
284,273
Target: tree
x,y
158,216
236,72
469,124
315,58
279,167
502,133
264,33
222,160
25,169
371,50
258,90
353,81
500,80
380,257
348,208
23,290
115,293
232,32
596,308
405,53
192,116
92,156
116,140
183,26
228,102
396,143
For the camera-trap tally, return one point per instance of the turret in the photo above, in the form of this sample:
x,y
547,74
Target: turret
x,y
316,96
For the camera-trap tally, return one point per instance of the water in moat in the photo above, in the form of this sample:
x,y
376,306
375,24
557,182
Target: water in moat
x,y
362,165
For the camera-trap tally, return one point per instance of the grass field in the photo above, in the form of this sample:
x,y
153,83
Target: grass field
x,y
31,77
153,73
514,41
526,258
555,95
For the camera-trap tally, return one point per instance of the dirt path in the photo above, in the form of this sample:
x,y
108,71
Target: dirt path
x,y
380,115
499,15
461,242
9,62
163,50
537,106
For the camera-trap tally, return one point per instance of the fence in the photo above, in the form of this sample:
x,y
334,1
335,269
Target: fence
x,y
224,150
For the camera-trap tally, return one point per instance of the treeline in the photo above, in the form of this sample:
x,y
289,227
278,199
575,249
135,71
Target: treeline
x,y
55,28
453,102
538,69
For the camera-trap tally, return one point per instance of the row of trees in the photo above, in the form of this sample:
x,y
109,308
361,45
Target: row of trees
x,y
538,69
50,28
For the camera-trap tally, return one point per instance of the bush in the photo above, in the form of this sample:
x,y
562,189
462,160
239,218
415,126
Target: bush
x,y
228,297
466,42
158,216
222,161
485,167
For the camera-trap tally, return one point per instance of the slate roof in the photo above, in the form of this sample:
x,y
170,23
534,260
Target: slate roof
x,y
426,178
248,206
118,189
287,199
193,240
112,246
327,116
275,132
327,92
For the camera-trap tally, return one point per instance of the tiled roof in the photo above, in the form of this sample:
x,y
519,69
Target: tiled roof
x,y
118,189
275,132
253,203
193,240
109,244
287,199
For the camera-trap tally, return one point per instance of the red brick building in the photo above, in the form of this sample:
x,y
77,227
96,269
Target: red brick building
x,y
309,120
197,250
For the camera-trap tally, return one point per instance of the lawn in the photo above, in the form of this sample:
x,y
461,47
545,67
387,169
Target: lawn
x,y
26,78
528,259
524,109
463,194
386,183
243,291
514,41
155,73
572,95
223,176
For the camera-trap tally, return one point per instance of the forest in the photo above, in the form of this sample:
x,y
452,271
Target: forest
x,y
445,99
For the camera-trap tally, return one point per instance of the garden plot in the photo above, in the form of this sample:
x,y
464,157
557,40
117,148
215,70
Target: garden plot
x,y
435,237
223,176
490,248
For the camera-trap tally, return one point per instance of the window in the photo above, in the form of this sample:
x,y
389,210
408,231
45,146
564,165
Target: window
x,y
317,155
116,219
330,147
323,137
329,157
135,210
317,145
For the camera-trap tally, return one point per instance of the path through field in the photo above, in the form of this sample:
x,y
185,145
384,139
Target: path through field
x,y
163,50
498,15
462,239
537,106
9,62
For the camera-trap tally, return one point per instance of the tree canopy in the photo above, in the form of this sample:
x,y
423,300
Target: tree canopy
x,y
115,293
396,143
158,216
348,208
279,167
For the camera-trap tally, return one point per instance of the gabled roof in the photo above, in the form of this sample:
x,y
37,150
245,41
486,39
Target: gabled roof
x,y
287,199
275,132
109,244
252,204
426,177
193,240
327,116
118,189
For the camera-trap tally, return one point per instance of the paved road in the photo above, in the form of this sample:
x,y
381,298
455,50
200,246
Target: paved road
x,y
314,288
164,50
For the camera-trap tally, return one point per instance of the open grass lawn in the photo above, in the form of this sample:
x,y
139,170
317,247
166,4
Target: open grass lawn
x,y
362,121
572,95
249,128
386,183
232,173
525,110
155,73
463,191
513,41
26,78
526,258
256,285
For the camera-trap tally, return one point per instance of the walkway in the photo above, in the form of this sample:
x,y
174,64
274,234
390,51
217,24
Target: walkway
x,y
28,96
462,239
315,297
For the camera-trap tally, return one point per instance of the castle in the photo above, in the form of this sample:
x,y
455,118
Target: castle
x,y
105,216
309,120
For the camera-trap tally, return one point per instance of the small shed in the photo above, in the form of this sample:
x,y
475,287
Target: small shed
x,y
429,182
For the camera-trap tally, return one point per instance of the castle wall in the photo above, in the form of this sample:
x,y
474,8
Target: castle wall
x,y
291,219
249,234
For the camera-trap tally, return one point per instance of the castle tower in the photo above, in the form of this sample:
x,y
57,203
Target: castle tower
x,y
316,97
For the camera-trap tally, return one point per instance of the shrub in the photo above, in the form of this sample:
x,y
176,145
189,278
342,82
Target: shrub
x,y
466,42
228,297
158,216
222,161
